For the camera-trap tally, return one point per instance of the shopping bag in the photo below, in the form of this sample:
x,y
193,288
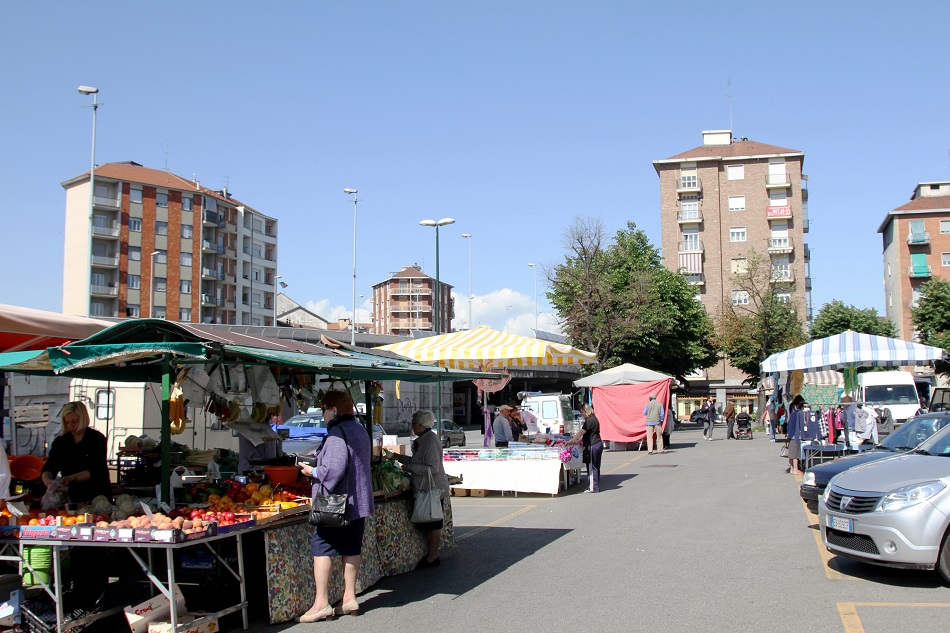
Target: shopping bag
x,y
328,511
783,452
427,504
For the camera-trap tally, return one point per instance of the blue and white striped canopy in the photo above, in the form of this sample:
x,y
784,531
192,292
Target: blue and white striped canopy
x,y
851,349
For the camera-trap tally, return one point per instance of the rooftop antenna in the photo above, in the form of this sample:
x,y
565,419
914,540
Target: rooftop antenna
x,y
729,99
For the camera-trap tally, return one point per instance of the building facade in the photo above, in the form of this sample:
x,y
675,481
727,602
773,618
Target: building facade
x,y
718,203
406,301
158,245
916,249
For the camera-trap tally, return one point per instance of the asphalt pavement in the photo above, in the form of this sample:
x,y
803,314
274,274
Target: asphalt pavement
x,y
711,536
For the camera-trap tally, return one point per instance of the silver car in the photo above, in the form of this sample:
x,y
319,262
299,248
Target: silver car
x,y
893,512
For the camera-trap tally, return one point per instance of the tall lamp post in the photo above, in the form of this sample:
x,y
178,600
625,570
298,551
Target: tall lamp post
x,y
89,90
276,277
151,286
438,307
471,320
535,266
353,192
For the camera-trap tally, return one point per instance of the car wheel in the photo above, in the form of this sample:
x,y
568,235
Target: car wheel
x,y
462,443
445,443
943,561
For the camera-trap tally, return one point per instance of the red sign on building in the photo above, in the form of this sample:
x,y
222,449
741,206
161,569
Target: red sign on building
x,y
778,212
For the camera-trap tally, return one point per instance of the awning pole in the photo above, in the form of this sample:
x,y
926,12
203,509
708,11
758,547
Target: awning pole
x,y
166,430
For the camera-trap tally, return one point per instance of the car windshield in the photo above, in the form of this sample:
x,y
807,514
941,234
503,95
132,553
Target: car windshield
x,y
449,425
891,394
938,444
306,421
910,434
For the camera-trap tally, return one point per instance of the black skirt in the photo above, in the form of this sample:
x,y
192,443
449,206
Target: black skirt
x,y
338,541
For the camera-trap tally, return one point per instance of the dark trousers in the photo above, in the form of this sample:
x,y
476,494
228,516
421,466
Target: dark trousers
x,y
708,426
730,429
501,444
596,453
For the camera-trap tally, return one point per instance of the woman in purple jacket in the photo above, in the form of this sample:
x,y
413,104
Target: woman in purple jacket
x,y
343,465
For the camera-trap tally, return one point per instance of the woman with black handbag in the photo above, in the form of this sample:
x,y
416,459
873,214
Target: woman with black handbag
x,y
428,480
342,468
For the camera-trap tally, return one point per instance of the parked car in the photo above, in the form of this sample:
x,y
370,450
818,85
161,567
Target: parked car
x,y
696,417
310,425
905,438
893,512
305,438
452,434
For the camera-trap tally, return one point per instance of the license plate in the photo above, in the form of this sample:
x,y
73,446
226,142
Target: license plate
x,y
840,523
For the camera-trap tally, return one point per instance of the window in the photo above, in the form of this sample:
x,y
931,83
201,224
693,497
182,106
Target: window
x,y
737,203
105,404
185,286
135,224
735,172
690,241
135,254
945,259
187,231
162,257
915,296
739,266
186,259
135,195
944,227
688,180
689,208
132,310
133,282
783,297
159,312
186,203
737,234
161,228
918,264
258,274
184,314
161,284
161,199
740,297
781,269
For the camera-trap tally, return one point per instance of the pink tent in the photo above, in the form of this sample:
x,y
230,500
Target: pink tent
x,y
619,395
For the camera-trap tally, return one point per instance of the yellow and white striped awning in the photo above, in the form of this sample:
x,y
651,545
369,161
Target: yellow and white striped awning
x,y
484,348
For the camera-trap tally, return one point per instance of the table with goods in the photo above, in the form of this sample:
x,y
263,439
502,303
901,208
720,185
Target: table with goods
x,y
543,466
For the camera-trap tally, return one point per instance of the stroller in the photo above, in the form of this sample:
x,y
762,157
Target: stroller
x,y
744,428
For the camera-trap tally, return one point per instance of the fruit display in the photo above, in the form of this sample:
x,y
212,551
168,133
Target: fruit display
x,y
389,478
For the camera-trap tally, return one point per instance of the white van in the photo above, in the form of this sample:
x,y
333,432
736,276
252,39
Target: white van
x,y
554,412
895,390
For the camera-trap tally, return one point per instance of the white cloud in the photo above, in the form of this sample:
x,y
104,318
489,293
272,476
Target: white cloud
x,y
493,310
333,314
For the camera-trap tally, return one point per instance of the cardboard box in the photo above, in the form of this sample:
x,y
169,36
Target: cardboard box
x,y
155,608
187,619
399,449
479,493
460,492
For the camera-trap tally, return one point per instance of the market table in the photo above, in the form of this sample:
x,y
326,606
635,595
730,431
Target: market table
x,y
518,468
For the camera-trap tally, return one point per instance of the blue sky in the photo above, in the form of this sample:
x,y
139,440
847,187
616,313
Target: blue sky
x,y
510,116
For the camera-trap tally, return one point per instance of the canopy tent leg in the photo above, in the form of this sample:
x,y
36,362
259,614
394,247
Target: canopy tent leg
x,y
166,430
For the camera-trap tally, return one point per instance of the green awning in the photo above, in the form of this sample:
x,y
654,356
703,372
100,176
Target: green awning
x,y
127,362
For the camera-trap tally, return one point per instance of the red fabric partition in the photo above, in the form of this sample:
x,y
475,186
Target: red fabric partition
x,y
619,408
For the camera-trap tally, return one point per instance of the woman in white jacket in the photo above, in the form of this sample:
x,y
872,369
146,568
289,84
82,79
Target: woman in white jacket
x,y
426,460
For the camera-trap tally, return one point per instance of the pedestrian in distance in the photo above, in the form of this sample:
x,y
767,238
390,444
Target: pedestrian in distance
x,y
653,411
729,415
589,435
796,418
709,409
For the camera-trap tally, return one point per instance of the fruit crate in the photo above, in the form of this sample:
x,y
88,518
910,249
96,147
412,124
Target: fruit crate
x,y
135,469
39,616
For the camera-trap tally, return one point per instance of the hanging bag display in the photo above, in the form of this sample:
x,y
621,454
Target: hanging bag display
x,y
329,510
427,504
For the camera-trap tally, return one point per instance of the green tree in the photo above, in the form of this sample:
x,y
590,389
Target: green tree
x,y
619,301
836,317
762,323
931,317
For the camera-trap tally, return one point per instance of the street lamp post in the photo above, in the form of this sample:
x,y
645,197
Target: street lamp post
x,y
471,320
438,307
353,192
535,266
276,277
151,286
89,90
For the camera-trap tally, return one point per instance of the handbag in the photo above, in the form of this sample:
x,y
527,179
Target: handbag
x,y
783,452
330,510
427,504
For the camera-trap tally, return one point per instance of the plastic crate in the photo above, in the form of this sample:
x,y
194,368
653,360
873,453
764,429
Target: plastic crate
x,y
39,616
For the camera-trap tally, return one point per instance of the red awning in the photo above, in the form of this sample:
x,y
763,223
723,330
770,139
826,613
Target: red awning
x,y
27,329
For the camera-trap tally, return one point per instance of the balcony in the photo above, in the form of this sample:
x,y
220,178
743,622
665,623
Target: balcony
x,y
780,245
782,276
807,284
229,278
410,324
409,307
410,291
221,249
104,291
219,302
105,231
690,246
107,201
209,218
207,246
919,272
689,184
918,239
694,216
207,273
106,260
807,253
777,181
696,279
207,300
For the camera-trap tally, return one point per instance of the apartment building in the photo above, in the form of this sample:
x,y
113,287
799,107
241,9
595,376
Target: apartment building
x,y
718,202
406,302
916,249
155,244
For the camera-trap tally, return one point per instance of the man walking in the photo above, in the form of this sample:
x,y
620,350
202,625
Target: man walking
x,y
709,408
729,415
653,410
501,427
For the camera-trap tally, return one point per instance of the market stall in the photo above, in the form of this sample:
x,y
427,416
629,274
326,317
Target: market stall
x,y
239,370
619,394
519,468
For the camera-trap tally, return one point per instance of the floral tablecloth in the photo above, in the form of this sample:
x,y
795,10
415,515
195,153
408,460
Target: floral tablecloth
x,y
391,545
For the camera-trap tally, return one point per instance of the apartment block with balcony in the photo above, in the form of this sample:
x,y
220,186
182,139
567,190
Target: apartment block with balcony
x,y
916,238
406,301
163,246
722,199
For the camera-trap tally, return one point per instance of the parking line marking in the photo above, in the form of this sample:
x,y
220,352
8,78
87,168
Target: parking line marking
x,y
823,552
852,622
496,522
623,465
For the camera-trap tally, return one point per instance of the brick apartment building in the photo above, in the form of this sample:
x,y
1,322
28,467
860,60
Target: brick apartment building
x,y
405,302
916,239
163,246
720,200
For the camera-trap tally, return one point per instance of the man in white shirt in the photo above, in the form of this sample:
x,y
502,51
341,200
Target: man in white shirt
x,y
501,426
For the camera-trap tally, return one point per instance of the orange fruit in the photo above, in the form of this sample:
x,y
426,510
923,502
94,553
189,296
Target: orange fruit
x,y
34,522
69,521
